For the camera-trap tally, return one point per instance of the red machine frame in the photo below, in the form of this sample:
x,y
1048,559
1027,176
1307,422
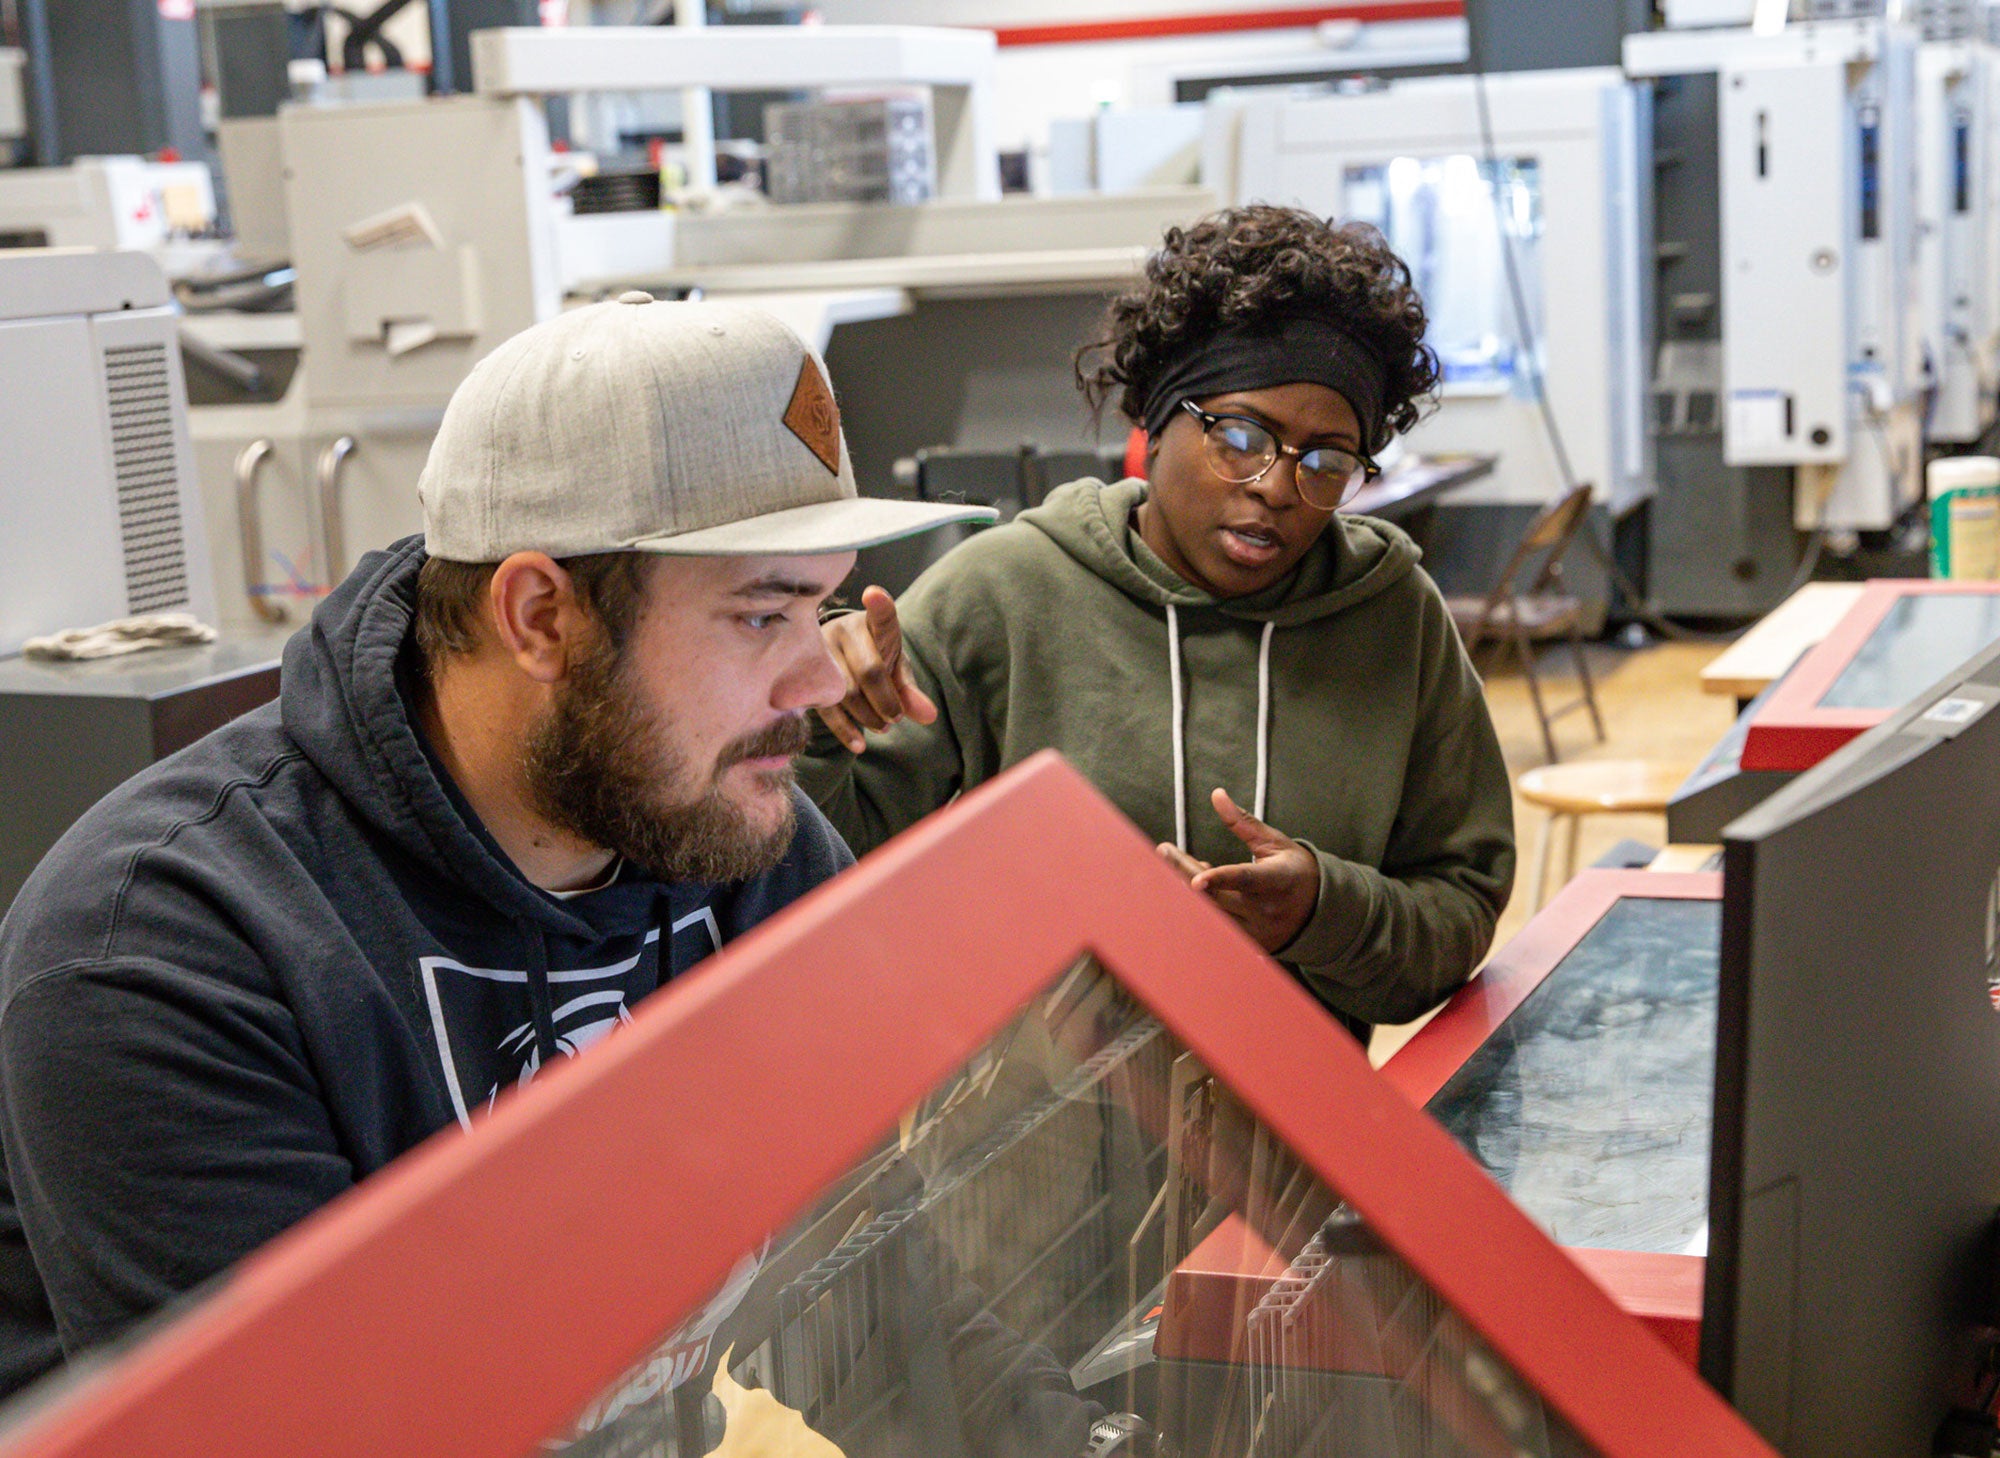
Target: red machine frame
x,y
1663,1291
1791,731
415,1314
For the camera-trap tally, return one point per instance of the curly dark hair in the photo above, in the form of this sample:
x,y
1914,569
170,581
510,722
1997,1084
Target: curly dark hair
x,y
1257,265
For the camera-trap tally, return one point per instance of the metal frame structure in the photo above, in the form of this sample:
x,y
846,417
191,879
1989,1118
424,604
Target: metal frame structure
x,y
1662,1291
392,1322
956,65
1792,731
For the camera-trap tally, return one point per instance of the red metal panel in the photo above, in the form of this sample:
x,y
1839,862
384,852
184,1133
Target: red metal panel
x,y
1791,730
1662,1291
467,1302
1222,21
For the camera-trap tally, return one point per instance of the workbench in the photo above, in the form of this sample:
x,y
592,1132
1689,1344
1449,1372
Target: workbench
x,y
1761,656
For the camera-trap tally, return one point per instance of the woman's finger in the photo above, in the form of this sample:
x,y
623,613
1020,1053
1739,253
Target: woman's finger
x,y
873,707
1180,860
876,664
883,625
916,703
1241,907
1254,833
1245,878
847,643
876,682
844,729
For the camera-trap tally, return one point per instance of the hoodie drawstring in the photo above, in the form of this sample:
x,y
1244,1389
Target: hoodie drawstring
x,y
1180,733
540,1000
1180,747
1263,719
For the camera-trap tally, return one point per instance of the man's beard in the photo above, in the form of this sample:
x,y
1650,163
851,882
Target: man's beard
x,y
601,766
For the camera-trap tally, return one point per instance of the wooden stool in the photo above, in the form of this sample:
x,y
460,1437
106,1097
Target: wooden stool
x,y
1592,787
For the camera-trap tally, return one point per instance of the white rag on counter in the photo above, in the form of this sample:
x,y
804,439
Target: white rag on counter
x,y
125,635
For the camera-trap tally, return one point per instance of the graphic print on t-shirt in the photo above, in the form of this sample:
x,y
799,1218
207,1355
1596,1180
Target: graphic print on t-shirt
x,y
483,1018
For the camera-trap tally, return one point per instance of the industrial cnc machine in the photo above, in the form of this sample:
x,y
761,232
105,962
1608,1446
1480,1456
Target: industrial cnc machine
x,y
1797,366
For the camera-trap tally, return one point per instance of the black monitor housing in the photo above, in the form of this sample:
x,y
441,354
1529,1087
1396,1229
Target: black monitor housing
x,y
1856,1137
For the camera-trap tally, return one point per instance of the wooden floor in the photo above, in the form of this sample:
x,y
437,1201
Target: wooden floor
x,y
1653,709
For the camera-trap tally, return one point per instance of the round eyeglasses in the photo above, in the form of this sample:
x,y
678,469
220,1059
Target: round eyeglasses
x,y
1240,450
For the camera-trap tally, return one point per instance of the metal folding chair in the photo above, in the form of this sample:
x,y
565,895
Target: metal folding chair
x,y
1538,612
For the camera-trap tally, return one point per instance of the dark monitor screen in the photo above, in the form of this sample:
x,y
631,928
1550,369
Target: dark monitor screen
x,y
1924,637
1856,1162
1590,1104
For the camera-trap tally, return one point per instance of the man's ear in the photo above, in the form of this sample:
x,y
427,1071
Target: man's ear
x,y
536,615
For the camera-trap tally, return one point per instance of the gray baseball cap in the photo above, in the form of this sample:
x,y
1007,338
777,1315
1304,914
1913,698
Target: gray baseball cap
x,y
695,429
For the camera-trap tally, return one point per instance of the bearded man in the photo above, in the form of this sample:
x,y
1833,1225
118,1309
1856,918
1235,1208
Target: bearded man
x,y
522,772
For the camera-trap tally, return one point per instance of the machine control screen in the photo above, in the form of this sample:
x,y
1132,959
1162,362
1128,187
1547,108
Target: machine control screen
x,y
1924,637
1591,1105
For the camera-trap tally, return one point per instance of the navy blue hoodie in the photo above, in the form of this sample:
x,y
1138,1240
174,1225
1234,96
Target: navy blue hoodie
x,y
262,969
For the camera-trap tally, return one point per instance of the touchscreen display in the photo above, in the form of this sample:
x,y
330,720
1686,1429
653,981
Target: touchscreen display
x,y
1924,637
1591,1105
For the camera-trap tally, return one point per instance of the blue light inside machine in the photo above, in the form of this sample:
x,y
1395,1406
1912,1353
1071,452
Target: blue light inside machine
x,y
1456,218
1871,172
1961,163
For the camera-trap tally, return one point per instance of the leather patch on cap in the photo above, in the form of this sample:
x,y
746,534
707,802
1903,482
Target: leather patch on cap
x,y
813,417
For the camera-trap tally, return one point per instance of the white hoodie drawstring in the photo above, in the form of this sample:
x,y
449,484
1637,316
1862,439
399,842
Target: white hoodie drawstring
x,y
1180,746
1263,718
1179,732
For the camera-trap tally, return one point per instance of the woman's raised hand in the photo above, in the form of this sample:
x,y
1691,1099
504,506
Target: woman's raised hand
x,y
868,646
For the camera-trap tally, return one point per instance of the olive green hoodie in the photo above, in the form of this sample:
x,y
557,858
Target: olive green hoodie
x,y
1054,632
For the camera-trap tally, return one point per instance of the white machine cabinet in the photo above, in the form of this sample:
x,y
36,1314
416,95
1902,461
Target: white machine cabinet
x,y
1823,336
257,482
13,94
1957,258
362,467
1565,189
955,64
103,202
424,236
97,483
257,495
1785,241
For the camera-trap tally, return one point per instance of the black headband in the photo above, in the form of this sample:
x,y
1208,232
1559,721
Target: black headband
x,y
1300,351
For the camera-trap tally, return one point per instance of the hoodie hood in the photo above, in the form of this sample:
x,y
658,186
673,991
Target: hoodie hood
x,y
1355,558
343,705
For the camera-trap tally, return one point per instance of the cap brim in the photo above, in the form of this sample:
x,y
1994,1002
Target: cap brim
x,y
846,525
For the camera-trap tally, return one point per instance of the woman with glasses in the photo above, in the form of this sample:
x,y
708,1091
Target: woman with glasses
x,y
1272,690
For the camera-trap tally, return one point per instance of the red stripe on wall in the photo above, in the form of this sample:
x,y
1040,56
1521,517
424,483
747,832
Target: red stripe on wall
x,y
1216,22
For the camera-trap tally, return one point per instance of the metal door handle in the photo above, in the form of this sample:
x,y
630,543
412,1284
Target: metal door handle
x,y
250,528
330,462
